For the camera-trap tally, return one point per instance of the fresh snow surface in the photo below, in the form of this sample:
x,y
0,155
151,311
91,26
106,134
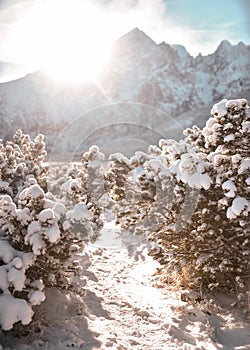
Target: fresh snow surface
x,y
123,310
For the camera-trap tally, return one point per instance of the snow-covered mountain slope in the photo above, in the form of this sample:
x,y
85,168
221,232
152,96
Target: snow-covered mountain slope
x,y
164,78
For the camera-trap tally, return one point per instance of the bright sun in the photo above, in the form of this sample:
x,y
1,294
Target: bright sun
x,y
74,39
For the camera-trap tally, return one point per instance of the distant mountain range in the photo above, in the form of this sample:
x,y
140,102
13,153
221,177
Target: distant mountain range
x,y
147,91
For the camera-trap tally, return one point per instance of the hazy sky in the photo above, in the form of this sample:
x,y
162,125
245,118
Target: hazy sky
x,y
199,25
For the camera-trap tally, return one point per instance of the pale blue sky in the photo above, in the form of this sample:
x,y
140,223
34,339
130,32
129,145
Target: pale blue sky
x,y
227,19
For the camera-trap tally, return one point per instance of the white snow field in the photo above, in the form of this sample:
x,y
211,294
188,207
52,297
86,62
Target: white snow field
x,y
126,308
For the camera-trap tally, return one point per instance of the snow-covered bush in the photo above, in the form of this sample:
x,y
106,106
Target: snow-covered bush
x,y
41,233
19,159
130,192
81,183
211,249
200,216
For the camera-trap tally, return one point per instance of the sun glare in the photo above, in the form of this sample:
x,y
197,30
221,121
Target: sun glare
x,y
71,39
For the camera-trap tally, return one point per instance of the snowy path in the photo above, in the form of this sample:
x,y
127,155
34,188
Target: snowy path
x,y
122,310
140,315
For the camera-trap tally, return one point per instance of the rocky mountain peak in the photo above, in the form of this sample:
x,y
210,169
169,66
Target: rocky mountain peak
x,y
224,47
181,51
136,35
135,40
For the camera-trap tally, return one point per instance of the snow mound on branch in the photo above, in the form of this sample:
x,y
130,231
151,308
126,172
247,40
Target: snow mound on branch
x,y
80,212
46,215
32,192
7,253
119,157
239,205
13,310
53,233
220,109
36,297
230,187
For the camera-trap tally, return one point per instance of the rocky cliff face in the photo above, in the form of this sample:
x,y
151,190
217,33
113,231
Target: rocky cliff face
x,y
168,77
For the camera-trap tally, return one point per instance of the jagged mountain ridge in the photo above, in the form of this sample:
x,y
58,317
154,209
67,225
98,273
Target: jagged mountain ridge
x,y
168,77
163,76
